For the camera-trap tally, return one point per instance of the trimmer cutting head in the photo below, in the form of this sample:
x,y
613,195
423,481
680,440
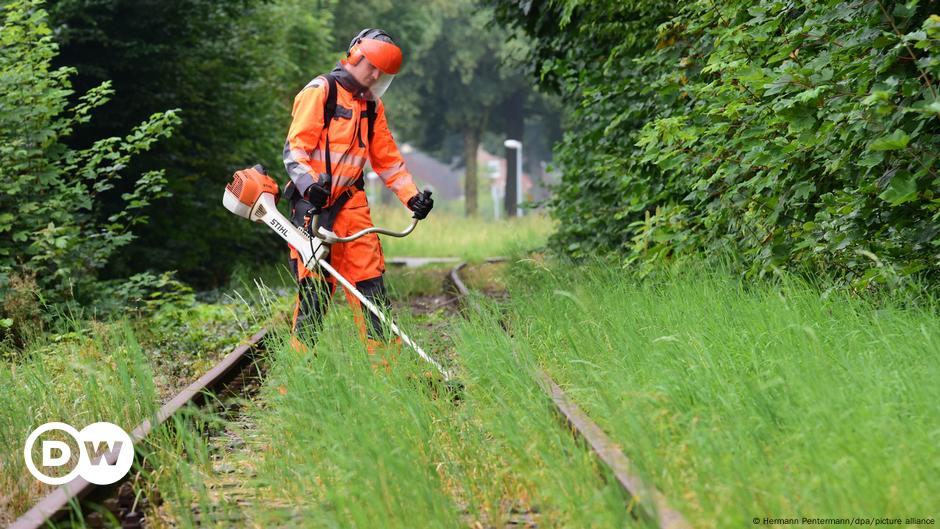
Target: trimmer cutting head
x,y
247,185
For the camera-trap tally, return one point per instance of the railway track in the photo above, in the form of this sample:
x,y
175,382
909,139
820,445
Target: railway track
x,y
653,504
230,376
239,371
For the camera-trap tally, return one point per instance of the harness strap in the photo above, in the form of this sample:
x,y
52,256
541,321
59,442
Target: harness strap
x,y
370,114
328,215
300,207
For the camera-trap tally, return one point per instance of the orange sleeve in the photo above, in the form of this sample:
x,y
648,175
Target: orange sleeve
x,y
304,135
387,161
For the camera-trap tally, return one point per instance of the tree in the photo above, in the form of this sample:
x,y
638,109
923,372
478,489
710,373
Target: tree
x,y
787,135
232,68
469,74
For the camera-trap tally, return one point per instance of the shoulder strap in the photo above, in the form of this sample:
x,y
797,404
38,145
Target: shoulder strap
x,y
329,104
329,110
370,114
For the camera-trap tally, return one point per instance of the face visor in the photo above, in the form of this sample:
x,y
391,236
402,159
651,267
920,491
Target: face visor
x,y
378,88
386,57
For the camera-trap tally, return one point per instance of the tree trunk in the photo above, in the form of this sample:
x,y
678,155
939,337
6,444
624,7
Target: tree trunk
x,y
471,143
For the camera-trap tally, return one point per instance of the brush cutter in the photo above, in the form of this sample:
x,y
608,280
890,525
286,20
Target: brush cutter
x,y
253,195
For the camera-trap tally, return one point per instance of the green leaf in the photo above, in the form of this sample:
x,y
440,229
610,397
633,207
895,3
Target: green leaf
x,y
927,107
894,141
871,159
902,188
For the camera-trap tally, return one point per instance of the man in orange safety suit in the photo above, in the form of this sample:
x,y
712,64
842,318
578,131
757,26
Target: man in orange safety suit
x,y
338,123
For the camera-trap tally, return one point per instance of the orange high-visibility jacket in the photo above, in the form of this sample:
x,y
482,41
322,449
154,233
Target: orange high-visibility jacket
x,y
349,145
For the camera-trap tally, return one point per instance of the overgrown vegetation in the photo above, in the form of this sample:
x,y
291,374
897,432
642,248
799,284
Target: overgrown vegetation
x,y
94,373
340,443
742,398
791,134
777,135
232,69
118,371
57,236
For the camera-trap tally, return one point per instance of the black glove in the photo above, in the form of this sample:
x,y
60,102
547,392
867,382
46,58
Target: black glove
x,y
421,204
317,194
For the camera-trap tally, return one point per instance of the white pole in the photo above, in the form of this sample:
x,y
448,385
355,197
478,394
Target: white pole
x,y
517,145
494,192
492,168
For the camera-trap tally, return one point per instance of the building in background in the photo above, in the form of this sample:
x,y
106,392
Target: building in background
x,y
429,172
446,181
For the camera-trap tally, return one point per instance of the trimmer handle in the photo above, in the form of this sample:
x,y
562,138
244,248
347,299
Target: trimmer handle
x,y
311,220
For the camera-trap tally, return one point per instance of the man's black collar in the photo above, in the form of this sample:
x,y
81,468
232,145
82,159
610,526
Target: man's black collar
x,y
347,81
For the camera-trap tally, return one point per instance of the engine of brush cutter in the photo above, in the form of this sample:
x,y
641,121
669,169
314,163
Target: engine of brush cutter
x,y
253,195
247,186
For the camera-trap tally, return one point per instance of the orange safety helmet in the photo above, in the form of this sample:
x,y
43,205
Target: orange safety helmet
x,y
378,48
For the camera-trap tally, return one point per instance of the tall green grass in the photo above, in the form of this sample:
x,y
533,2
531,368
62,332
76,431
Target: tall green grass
x,y
364,448
116,371
744,400
351,446
338,444
99,374
560,477
342,444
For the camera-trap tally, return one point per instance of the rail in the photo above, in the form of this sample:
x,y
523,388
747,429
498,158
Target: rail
x,y
57,503
650,500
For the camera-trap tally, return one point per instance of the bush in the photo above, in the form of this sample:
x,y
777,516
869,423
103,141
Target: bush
x,y
792,134
21,310
54,228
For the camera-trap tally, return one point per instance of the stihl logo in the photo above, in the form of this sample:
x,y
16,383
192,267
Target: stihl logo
x,y
105,453
279,227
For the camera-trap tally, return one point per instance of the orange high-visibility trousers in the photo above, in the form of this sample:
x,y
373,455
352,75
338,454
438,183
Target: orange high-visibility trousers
x,y
361,262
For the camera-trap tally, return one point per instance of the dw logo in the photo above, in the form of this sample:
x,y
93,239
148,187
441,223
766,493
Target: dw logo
x,y
106,453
